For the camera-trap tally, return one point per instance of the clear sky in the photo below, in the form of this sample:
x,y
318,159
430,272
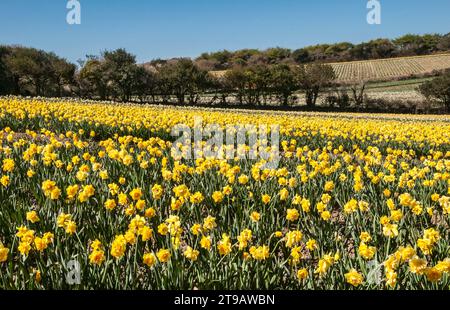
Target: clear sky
x,y
171,28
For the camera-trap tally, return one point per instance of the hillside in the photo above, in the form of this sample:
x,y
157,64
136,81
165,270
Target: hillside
x,y
385,69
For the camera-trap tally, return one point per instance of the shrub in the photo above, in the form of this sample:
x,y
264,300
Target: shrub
x,y
438,89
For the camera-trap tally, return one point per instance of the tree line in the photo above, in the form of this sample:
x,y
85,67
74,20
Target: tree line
x,y
115,75
407,45
28,71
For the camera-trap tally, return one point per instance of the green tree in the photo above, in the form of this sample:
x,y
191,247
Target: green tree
x,y
412,44
241,57
63,74
301,56
283,82
36,72
312,78
438,89
338,49
93,80
32,70
7,85
221,59
277,54
183,79
257,84
444,43
236,80
144,84
121,71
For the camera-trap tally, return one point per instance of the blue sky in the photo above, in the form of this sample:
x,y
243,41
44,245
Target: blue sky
x,y
170,28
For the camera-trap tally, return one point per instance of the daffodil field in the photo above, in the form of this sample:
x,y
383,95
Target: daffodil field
x,y
358,201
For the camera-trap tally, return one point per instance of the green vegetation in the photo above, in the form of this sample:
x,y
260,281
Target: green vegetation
x,y
438,89
252,78
399,85
407,45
